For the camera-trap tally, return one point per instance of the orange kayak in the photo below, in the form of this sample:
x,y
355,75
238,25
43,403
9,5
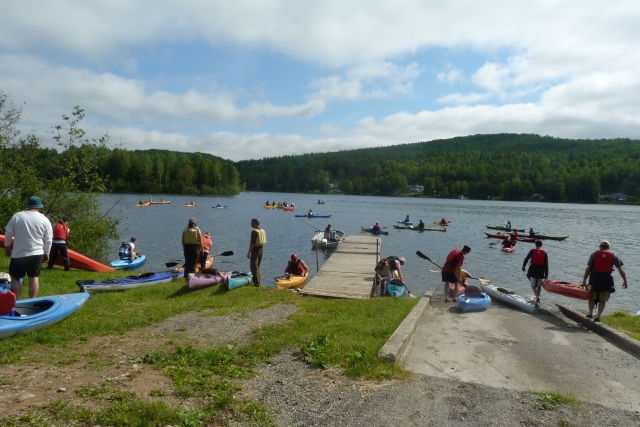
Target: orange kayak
x,y
566,289
78,261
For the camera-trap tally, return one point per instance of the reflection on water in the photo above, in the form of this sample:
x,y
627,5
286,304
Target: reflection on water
x,y
158,229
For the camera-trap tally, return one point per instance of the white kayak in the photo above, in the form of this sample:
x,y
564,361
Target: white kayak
x,y
509,297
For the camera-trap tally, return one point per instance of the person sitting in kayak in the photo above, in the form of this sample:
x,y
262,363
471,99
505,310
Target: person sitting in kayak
x,y
514,237
140,202
407,219
162,199
127,249
532,233
268,203
507,242
218,205
376,228
507,226
310,213
296,266
421,224
150,199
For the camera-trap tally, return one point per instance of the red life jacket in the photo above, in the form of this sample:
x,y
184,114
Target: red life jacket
x,y
603,262
295,268
7,302
538,257
60,232
450,266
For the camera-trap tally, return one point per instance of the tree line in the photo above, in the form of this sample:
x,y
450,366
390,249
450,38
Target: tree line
x,y
499,166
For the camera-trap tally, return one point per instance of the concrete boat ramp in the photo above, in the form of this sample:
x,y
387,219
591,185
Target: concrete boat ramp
x,y
506,348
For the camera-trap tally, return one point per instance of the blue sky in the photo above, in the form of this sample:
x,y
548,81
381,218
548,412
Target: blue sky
x,y
251,79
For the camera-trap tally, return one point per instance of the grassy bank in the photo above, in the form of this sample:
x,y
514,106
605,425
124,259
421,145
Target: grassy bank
x,y
346,334
624,322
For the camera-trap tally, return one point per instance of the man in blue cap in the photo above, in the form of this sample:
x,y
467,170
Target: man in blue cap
x,y
32,235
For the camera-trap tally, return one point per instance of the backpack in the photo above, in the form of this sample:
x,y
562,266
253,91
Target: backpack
x,y
391,260
125,250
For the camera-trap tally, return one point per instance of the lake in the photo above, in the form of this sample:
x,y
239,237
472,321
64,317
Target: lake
x,y
159,227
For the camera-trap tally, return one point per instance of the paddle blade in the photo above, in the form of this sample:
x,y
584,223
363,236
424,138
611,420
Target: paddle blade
x,y
483,280
423,256
435,271
227,253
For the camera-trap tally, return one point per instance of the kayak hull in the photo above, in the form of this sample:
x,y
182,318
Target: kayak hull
x,y
510,250
198,281
395,288
239,279
207,264
508,297
400,227
499,227
405,223
289,209
291,282
565,289
161,203
141,205
313,216
125,283
127,264
504,236
370,230
474,302
36,313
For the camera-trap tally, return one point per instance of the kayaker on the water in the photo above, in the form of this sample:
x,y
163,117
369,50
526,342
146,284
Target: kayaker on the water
x,y
599,268
376,228
538,270
421,224
268,203
451,271
507,243
191,247
310,213
507,226
162,199
532,233
128,249
59,244
256,242
206,248
140,202
407,219
514,237
296,266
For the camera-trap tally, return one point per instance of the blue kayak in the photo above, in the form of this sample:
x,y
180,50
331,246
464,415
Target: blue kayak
x,y
405,223
474,301
124,264
35,313
372,231
219,207
313,216
395,288
238,279
124,283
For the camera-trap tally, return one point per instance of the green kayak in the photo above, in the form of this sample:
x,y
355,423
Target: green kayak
x,y
404,227
545,237
499,227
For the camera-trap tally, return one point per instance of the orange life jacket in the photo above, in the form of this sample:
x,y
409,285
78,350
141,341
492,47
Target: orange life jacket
x,y
538,257
603,262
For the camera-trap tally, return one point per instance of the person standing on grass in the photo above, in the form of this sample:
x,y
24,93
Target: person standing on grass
x,y
59,245
538,270
452,271
599,268
191,246
257,241
32,235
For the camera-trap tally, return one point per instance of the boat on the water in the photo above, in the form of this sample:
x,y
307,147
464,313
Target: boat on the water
x,y
124,283
168,202
400,227
292,281
238,279
473,300
289,208
321,202
319,241
313,216
545,237
504,236
566,289
141,205
127,264
35,313
405,222
218,207
499,227
197,281
269,207
372,231
508,297
510,249
207,265
190,205
77,260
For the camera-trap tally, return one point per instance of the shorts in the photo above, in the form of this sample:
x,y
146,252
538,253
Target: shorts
x,y
449,277
535,282
601,296
29,265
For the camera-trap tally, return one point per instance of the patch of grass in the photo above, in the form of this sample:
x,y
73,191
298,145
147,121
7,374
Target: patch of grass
x,y
158,392
549,400
89,390
624,322
565,423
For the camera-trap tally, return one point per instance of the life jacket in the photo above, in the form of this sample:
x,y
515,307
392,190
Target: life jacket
x,y
206,243
191,236
295,268
261,239
603,262
454,253
7,302
538,257
392,262
60,232
125,250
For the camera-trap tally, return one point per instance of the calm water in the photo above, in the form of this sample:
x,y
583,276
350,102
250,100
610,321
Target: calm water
x,y
159,227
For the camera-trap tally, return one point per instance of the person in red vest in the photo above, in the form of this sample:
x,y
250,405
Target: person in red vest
x,y
59,244
296,266
538,270
599,268
452,271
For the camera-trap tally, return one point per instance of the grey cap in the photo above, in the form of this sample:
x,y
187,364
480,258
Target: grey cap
x,y
604,243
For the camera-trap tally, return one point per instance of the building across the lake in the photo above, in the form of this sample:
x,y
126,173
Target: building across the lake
x,y
615,197
414,189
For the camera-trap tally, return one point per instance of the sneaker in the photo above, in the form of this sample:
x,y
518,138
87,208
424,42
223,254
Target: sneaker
x,y
455,300
597,320
589,316
447,300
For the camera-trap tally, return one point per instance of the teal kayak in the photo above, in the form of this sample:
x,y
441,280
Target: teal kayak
x,y
400,227
238,279
124,264
395,288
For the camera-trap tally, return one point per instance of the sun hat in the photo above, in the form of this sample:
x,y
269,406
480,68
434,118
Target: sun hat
x,y
207,234
34,202
402,260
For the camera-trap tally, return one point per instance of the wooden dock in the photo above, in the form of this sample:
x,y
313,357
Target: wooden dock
x,y
348,273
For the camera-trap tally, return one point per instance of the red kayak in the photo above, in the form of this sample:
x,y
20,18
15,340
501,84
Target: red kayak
x,y
510,249
504,236
565,289
289,208
78,261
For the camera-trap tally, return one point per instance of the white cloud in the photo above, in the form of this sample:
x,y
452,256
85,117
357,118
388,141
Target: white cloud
x,y
452,75
463,98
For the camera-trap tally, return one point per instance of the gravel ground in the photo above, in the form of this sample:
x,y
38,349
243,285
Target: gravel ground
x,y
304,396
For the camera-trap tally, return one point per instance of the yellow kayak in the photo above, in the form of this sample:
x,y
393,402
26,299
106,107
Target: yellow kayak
x,y
208,264
143,204
269,207
290,282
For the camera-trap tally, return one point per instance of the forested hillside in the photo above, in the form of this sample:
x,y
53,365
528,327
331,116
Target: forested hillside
x,y
508,166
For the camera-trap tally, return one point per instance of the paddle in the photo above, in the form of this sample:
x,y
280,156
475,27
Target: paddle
x,y
173,263
423,256
476,278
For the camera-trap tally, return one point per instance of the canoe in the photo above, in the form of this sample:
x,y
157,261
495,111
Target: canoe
x,y
161,203
370,230
35,313
508,297
395,288
499,227
124,283
503,236
197,281
321,202
195,205
126,264
405,223
509,250
473,301
143,204
313,216
289,208
290,282
269,207
319,241
207,264
400,227
77,260
238,279
565,289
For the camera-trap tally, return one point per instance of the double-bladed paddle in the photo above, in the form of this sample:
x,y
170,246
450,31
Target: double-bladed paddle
x,y
174,263
423,256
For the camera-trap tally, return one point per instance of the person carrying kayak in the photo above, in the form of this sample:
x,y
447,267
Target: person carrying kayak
x,y
452,271
599,268
296,266
421,224
376,228
538,270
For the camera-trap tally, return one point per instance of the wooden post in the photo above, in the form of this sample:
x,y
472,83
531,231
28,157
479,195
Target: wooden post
x,y
377,250
317,264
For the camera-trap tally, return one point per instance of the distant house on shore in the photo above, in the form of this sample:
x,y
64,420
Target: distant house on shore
x,y
618,197
415,189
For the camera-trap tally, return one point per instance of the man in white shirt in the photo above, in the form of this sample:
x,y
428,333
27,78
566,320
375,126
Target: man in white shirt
x,y
32,236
